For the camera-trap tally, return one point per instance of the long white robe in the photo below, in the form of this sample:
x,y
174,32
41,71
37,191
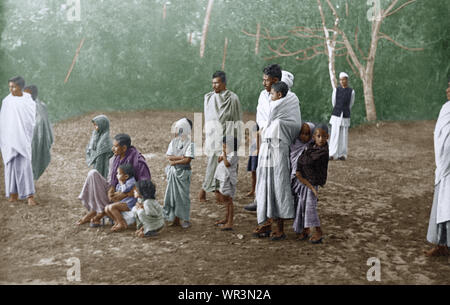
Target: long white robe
x,y
442,157
339,130
273,187
222,110
17,121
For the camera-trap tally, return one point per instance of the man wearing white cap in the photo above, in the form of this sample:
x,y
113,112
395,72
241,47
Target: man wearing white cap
x,y
287,78
343,98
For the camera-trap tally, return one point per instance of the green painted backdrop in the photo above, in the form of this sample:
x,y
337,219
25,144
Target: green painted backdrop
x,y
132,58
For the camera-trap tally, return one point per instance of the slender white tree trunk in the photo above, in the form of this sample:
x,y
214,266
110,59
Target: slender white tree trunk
x,y
205,28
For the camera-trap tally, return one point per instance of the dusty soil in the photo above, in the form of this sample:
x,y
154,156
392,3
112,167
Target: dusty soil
x,y
376,204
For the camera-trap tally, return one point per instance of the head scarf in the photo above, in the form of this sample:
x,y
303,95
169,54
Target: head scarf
x,y
287,78
298,147
182,130
100,142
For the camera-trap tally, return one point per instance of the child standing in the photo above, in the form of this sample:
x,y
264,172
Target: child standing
x,y
312,167
98,152
125,176
147,211
226,175
177,203
253,158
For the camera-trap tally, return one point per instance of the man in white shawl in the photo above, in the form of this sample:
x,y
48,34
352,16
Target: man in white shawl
x,y
223,116
264,99
342,99
439,226
279,121
17,121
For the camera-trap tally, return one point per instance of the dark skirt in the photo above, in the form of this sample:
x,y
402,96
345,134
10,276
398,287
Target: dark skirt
x,y
252,164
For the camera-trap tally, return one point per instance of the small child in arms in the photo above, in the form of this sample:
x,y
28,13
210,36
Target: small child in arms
x,y
147,211
312,167
125,175
226,175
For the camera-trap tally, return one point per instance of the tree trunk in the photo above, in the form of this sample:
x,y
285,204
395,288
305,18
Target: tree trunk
x,y
371,112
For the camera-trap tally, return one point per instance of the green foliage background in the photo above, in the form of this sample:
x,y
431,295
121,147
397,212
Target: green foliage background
x,y
133,59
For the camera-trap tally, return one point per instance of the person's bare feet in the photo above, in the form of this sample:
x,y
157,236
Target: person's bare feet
x,y
86,218
141,234
220,222
250,194
13,197
317,236
175,222
119,227
304,235
31,201
202,196
227,227
437,251
139,230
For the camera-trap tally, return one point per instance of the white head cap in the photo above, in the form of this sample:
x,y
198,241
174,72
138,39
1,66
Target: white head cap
x,y
343,74
287,78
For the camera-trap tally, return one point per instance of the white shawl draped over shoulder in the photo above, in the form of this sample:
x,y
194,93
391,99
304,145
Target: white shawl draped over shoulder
x,y
284,120
17,121
220,108
442,157
263,109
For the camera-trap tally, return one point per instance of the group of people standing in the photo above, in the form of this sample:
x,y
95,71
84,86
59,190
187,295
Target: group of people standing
x,y
288,161
284,190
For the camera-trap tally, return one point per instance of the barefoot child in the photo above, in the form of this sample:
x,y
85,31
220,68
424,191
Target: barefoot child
x,y
147,211
312,167
226,175
177,203
125,175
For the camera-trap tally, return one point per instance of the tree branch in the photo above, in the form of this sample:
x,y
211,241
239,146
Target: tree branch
x,y
387,11
382,35
357,46
399,8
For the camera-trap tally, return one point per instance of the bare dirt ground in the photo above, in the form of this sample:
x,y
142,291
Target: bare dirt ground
x,y
376,204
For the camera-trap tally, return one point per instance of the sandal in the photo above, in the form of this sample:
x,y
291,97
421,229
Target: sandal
x,y
277,238
263,231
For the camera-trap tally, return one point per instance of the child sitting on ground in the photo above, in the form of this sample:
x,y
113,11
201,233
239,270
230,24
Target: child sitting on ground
x,y
147,211
125,176
312,167
226,176
180,152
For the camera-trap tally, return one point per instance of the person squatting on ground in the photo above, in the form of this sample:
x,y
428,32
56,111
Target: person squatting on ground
x,y
125,176
439,225
280,123
147,211
42,135
312,168
97,192
17,122
227,176
342,99
98,151
220,106
177,204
